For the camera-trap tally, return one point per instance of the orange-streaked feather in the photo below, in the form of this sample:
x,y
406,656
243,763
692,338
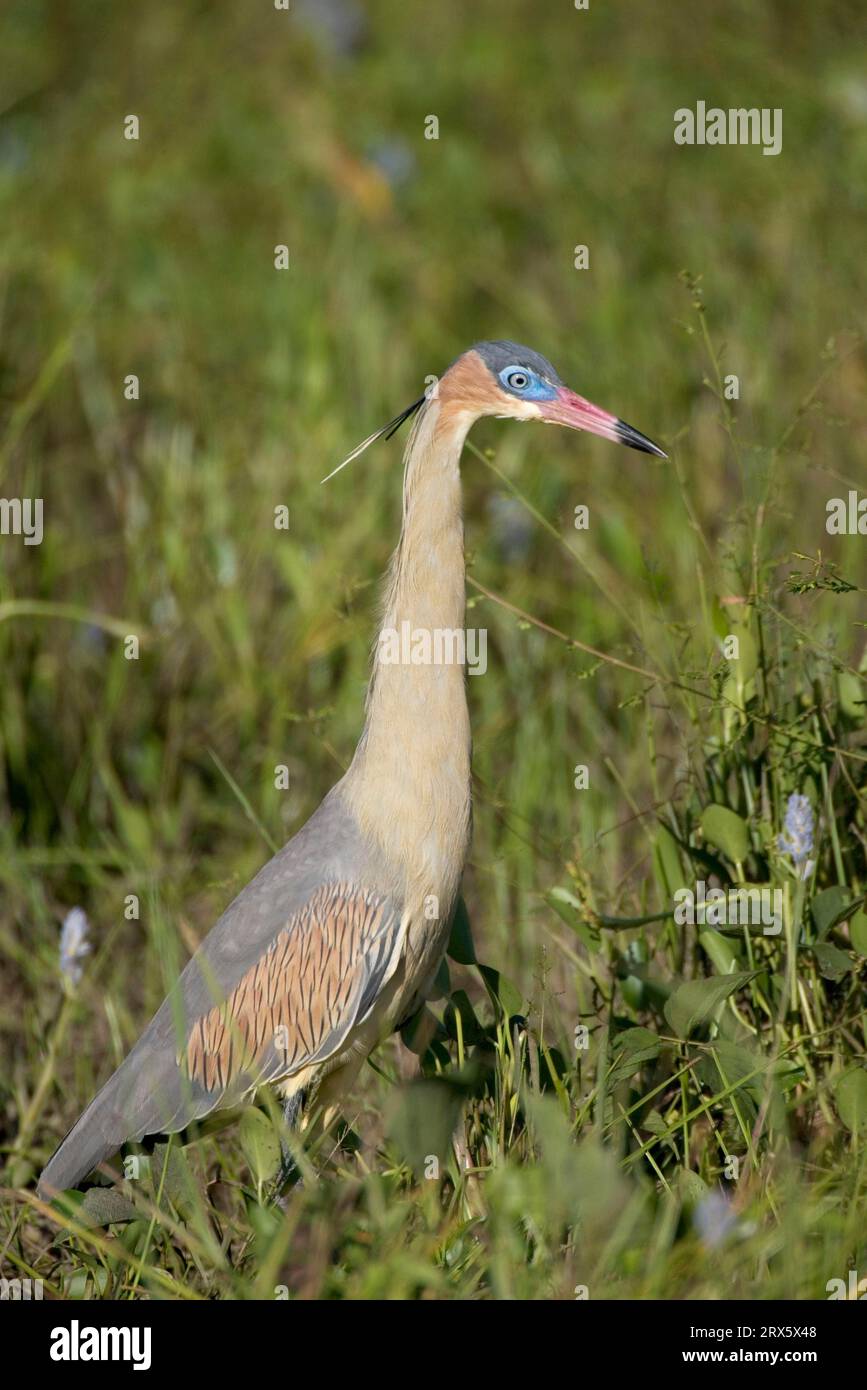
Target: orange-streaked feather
x,y
303,992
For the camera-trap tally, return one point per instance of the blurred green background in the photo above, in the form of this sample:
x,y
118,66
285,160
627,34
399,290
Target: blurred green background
x,y
261,127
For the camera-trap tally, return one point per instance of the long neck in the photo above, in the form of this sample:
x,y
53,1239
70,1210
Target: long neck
x,y
409,783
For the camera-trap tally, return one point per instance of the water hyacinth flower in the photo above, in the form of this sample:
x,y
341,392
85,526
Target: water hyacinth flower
x,y
714,1219
74,945
339,26
394,158
797,837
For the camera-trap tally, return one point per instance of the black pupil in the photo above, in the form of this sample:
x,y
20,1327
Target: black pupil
x,y
519,380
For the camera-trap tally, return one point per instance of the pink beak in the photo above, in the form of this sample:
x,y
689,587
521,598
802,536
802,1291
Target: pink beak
x,y
578,414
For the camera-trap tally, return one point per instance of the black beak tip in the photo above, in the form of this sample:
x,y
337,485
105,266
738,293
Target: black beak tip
x,y
634,439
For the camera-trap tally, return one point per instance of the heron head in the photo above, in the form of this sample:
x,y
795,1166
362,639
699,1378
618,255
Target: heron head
x,y
514,382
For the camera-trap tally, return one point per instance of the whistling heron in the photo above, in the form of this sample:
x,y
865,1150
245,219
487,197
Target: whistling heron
x,y
338,937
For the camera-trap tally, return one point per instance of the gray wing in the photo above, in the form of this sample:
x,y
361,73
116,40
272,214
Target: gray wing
x,y
292,966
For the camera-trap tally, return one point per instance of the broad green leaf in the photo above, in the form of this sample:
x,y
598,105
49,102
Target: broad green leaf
x,y
829,907
630,1050
68,1202
442,985
735,1065
632,988
858,931
833,963
580,1182
735,1062
85,1283
721,951
723,828
666,863
657,989
460,946
691,1186
471,1030
170,1171
788,1073
753,905
702,857
850,1096
633,991
264,1223
731,1028
260,1144
655,1124
419,1030
694,1002
134,1235
103,1206
421,1119
502,991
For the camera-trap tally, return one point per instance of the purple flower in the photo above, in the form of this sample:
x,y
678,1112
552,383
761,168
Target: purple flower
x,y
74,945
395,160
797,837
339,26
714,1219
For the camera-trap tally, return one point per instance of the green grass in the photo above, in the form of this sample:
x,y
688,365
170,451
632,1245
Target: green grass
x,y
155,777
